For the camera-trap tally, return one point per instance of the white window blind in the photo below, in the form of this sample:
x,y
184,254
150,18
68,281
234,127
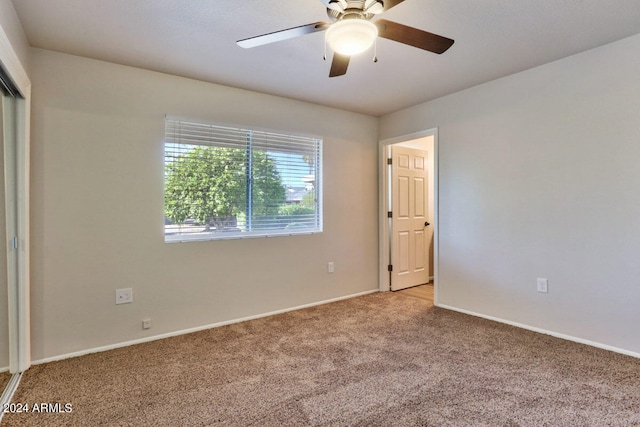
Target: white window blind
x,y
222,182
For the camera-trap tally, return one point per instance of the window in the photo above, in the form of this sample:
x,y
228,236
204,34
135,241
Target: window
x,y
222,182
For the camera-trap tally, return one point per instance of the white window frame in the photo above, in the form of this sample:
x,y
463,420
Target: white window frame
x,y
172,138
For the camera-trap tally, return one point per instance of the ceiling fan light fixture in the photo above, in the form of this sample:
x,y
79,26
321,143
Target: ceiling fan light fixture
x,y
373,6
351,36
337,5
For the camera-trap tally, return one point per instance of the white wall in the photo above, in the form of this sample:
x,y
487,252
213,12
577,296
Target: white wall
x,y
539,177
97,221
13,39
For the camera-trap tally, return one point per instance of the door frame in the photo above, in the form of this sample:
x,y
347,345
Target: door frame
x,y
19,311
384,182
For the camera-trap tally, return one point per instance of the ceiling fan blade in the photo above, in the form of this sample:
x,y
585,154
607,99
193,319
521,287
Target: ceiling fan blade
x,y
339,65
413,36
277,36
388,4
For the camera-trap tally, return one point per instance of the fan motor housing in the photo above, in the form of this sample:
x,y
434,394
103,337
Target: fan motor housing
x,y
341,9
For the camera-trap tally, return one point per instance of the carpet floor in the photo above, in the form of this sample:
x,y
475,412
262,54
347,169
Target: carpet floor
x,y
4,380
380,360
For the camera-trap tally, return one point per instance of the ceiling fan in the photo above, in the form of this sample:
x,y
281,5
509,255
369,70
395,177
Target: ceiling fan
x,y
351,31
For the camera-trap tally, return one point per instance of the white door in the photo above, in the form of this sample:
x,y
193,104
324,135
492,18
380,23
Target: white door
x,y
409,224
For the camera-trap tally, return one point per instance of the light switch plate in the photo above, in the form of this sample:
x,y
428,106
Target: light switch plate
x,y
543,285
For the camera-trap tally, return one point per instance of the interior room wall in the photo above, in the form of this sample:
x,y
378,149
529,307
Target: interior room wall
x,y
97,209
12,28
539,177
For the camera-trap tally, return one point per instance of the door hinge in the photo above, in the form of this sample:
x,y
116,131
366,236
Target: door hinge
x,y
390,267
389,161
15,243
389,214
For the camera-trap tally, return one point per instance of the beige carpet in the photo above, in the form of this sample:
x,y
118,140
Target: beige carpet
x,y
4,379
382,360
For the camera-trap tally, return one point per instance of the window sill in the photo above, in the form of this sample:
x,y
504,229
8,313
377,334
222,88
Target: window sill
x,y
203,237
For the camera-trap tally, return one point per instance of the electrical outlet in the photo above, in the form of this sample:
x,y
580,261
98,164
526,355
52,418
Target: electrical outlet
x,y
331,267
543,285
147,323
124,296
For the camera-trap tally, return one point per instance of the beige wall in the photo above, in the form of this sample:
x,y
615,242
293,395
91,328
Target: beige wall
x,y
97,221
539,177
12,28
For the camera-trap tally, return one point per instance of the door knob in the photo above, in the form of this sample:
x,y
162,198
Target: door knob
x,y
426,224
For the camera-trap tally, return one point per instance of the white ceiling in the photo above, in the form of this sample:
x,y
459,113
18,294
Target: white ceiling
x,y
196,39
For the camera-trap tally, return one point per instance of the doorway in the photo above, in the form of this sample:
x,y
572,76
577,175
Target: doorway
x,y
408,235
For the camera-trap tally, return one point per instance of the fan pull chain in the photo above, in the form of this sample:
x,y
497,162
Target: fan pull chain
x,y
324,55
375,50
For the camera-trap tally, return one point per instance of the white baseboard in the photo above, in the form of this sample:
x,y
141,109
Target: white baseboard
x,y
543,331
196,329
